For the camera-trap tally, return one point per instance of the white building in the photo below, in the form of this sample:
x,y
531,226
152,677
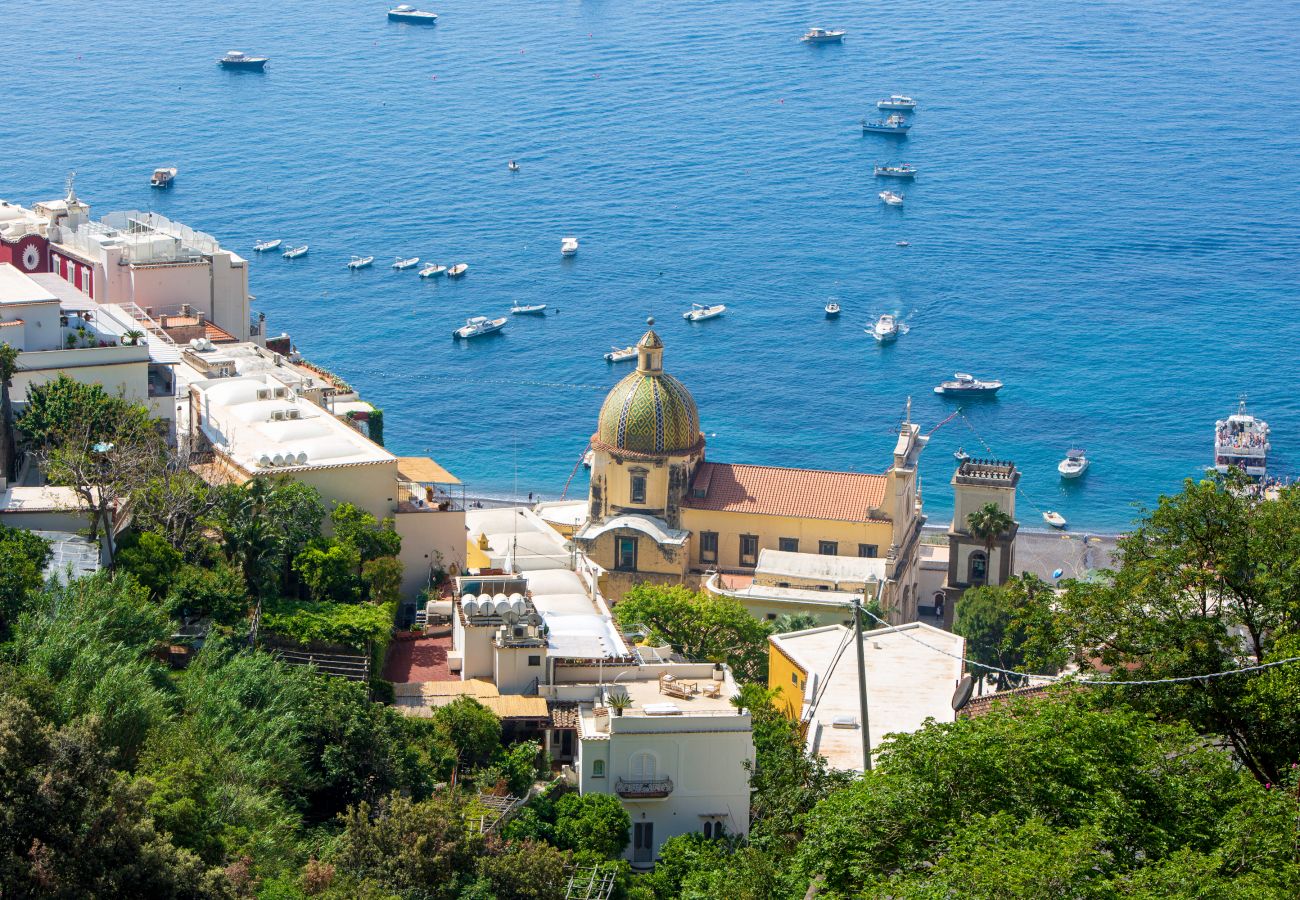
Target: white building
x,y
786,583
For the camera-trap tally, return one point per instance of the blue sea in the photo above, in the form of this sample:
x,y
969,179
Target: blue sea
x,y
1108,214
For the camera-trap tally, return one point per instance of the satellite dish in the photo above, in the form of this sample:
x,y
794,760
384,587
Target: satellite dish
x,y
961,696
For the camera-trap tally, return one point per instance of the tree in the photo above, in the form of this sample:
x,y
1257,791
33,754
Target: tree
x,y
23,557
176,504
471,729
789,622
219,593
1011,626
329,569
526,870
8,448
371,537
383,579
699,626
265,523
596,823
987,524
153,561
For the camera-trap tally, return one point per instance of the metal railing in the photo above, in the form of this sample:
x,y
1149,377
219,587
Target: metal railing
x,y
654,787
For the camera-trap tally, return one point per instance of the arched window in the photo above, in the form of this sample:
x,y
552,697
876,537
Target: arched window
x,y
978,568
598,768
644,767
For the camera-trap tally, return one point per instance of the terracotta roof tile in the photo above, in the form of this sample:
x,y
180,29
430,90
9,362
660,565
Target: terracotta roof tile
x,y
773,491
11,324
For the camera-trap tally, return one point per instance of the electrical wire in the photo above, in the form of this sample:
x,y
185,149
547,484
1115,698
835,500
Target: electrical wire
x,y
826,679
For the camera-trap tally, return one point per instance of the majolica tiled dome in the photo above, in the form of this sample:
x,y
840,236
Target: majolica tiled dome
x,y
649,412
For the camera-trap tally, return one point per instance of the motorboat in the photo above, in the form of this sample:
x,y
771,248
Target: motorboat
x,y
361,262
477,326
295,252
832,310
238,59
899,170
620,354
895,124
408,13
1241,442
163,178
512,166
263,246
432,270
1055,519
964,385
886,329
407,263
528,309
823,36
961,455
699,312
891,198
1074,464
902,243
568,246
896,101
458,270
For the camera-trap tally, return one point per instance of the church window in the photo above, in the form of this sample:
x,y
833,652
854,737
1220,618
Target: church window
x,y
708,546
828,548
638,489
979,567
749,549
789,545
868,551
625,554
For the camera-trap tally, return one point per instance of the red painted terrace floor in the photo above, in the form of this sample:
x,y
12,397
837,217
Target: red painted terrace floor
x,y
421,659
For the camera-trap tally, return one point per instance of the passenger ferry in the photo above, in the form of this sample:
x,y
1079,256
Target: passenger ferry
x,y
1241,441
895,124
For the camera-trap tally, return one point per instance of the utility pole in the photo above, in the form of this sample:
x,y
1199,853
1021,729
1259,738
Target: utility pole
x,y
862,683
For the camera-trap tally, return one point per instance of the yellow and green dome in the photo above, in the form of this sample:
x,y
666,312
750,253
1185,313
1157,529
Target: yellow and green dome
x,y
649,413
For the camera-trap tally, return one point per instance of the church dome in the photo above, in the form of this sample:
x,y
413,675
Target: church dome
x,y
648,413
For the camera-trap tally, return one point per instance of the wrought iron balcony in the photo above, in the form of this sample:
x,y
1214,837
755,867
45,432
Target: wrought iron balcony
x,y
643,790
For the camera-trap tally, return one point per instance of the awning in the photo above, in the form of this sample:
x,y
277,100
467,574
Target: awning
x,y
423,470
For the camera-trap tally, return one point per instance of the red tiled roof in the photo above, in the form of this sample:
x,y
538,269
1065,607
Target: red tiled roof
x,y
11,324
773,491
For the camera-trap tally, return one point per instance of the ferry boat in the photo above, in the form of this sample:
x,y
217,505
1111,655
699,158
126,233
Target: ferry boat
x,y
361,262
1055,519
901,170
295,252
1074,464
458,270
832,310
568,246
432,270
964,384
1241,441
263,246
163,178
823,36
477,326
896,101
891,198
699,312
408,13
620,354
407,263
895,124
238,59
886,330
528,309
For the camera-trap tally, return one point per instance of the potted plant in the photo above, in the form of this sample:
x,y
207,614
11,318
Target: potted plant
x,y
618,703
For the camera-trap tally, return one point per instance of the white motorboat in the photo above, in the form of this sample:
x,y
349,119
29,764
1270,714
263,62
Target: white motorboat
x,y
238,59
620,354
961,455
832,310
891,198
295,252
1074,464
163,178
902,243
361,262
458,270
512,166
896,101
886,329
407,263
823,36
263,246
895,124
432,270
408,13
965,385
477,326
1241,442
568,246
1055,519
699,312
528,309
900,170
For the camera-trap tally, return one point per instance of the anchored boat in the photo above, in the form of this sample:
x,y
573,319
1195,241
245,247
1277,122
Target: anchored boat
x,y
295,252
964,385
896,101
699,312
568,246
163,178
361,262
832,310
620,354
901,170
238,59
407,263
477,326
895,124
528,309
458,270
1074,464
1241,441
408,13
1055,519
823,36
432,270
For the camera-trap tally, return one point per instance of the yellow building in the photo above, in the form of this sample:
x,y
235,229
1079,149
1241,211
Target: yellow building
x,y
658,510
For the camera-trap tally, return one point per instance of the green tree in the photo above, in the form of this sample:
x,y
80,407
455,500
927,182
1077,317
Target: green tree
x,y
371,537
789,622
699,626
383,579
153,561
526,870
177,504
218,592
8,447
265,523
1011,626
23,557
329,569
65,406
987,524
595,823
471,729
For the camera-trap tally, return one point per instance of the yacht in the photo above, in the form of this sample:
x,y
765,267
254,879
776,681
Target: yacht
x,y
407,13
528,309
238,59
568,246
823,36
163,178
1074,464
361,262
458,270
407,263
263,246
477,326
699,312
886,330
1055,519
899,170
961,455
295,252
895,124
1241,441
432,270
896,101
832,310
891,198
965,385
620,354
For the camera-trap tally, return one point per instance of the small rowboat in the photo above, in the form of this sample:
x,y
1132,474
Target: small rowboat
x,y
432,270
458,270
532,309
1055,519
361,262
295,252
407,263
262,246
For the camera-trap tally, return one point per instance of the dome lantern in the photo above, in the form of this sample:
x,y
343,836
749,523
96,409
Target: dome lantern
x,y
650,351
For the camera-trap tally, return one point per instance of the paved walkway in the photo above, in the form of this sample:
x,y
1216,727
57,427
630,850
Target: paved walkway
x,y
423,659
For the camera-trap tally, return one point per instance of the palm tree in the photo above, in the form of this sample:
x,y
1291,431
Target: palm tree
x,y
132,338
988,523
8,449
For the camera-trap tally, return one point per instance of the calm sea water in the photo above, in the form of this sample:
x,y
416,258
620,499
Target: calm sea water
x,y
1107,217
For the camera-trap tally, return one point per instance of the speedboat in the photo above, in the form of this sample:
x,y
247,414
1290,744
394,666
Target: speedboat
x,y
361,262
568,246
699,312
902,243
900,170
895,124
477,326
432,270
512,166
458,270
620,354
238,59
961,455
163,178
965,385
407,263
263,246
896,101
823,36
832,310
886,330
1241,442
528,309
891,198
295,252
407,13
1055,519
1074,464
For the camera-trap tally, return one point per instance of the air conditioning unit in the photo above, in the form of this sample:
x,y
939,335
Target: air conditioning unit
x,y
281,393
263,393
277,416
293,414
844,722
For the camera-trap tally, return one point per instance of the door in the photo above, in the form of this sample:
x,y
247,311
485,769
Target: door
x,y
566,744
643,842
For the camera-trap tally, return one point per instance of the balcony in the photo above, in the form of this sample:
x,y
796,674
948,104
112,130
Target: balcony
x,y
654,789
